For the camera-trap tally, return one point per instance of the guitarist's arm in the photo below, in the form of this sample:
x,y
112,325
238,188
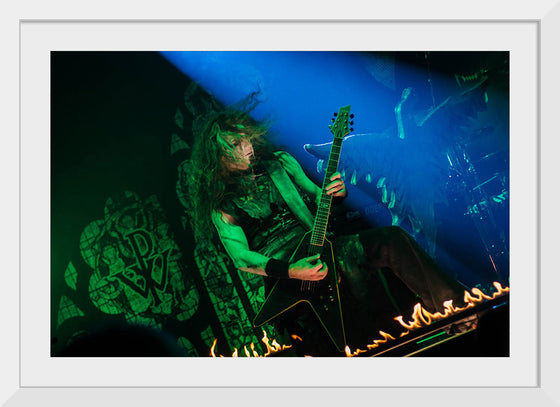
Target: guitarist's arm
x,y
293,168
236,245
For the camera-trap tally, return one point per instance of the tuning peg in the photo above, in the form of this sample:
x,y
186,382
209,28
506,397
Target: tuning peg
x,y
352,115
352,122
332,120
335,114
351,129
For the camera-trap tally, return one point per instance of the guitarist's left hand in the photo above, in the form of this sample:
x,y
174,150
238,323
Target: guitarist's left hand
x,y
337,187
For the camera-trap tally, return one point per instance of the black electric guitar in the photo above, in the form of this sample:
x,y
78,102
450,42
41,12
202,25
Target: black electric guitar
x,y
322,296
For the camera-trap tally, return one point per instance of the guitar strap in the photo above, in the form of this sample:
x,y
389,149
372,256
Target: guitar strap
x,y
289,192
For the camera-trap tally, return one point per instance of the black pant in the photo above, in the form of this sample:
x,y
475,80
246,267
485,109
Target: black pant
x,y
384,273
393,251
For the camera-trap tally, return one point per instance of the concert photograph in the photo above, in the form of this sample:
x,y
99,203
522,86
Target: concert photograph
x,y
274,204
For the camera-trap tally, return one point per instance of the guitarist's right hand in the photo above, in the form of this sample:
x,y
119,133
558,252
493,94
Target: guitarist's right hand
x,y
308,268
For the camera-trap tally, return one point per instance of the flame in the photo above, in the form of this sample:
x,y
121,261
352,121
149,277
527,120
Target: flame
x,y
213,347
271,347
275,346
386,337
422,317
375,344
349,353
255,353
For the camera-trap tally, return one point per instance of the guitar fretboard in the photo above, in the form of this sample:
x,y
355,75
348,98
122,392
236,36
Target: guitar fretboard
x,y
324,207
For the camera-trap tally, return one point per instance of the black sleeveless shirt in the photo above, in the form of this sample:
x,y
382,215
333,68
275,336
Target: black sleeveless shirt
x,y
269,225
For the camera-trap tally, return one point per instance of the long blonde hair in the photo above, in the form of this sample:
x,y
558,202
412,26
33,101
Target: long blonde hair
x,y
211,182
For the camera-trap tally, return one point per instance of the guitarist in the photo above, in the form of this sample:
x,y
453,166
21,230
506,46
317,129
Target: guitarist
x,y
257,200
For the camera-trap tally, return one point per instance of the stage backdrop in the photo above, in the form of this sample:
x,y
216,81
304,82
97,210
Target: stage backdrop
x,y
122,247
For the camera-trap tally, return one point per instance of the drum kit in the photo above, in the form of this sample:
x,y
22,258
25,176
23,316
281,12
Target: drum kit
x,y
479,185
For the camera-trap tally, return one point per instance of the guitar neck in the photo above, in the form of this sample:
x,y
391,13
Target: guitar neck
x,y
324,208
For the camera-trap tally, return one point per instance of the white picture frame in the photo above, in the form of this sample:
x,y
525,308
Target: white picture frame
x,y
31,377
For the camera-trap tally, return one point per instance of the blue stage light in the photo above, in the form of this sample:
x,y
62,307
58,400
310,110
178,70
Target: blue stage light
x,y
410,122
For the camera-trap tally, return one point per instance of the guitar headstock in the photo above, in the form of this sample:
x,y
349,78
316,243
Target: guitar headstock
x,y
341,126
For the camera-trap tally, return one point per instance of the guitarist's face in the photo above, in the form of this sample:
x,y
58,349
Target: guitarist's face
x,y
238,153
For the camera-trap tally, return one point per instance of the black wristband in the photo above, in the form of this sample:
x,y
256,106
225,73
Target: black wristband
x,y
277,268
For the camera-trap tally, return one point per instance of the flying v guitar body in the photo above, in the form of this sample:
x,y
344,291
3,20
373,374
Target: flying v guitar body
x,y
322,296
